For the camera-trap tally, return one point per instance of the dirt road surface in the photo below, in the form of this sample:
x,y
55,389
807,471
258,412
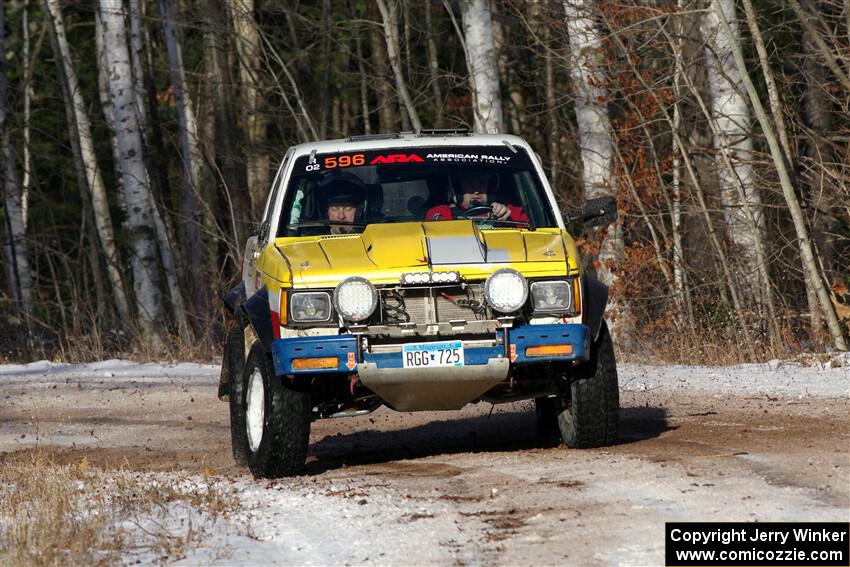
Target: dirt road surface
x,y
468,487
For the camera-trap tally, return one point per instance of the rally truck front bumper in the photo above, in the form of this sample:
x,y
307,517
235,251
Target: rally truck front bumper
x,y
381,369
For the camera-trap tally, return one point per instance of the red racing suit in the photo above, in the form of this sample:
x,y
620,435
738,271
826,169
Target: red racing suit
x,y
446,212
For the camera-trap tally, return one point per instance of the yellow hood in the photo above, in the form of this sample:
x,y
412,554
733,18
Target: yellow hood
x,y
384,251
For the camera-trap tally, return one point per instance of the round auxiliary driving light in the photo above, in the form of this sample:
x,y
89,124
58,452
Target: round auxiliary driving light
x,y
355,298
506,290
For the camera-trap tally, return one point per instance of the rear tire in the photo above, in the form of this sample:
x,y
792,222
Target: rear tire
x,y
546,412
234,358
589,417
276,422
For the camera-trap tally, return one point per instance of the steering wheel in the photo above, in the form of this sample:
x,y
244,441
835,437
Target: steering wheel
x,y
477,211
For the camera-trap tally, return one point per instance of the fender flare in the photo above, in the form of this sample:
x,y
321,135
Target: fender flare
x,y
234,298
256,310
595,301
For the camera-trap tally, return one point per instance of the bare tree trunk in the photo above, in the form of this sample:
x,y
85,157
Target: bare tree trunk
x,y
325,63
514,106
135,176
591,97
591,104
807,255
554,131
433,64
26,182
714,239
236,203
105,101
779,120
20,278
191,218
731,125
824,50
364,79
387,109
679,273
408,57
389,13
819,158
137,51
254,122
481,60
82,144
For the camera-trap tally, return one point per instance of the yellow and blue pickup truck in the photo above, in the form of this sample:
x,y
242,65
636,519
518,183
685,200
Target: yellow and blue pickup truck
x,y
418,271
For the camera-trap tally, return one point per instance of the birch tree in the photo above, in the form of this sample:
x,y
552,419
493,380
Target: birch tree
x,y
433,65
226,157
17,264
594,125
364,82
192,158
137,50
134,174
247,40
807,255
387,109
782,132
731,125
481,59
389,14
82,145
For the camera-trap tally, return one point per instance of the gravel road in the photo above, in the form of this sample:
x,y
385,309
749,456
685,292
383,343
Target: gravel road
x,y
468,487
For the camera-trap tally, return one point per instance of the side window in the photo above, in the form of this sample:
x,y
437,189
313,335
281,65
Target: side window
x,y
532,200
276,188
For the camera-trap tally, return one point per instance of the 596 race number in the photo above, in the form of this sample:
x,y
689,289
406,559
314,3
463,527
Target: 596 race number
x,y
347,160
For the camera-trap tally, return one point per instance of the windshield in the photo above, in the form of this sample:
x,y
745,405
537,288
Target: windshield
x,y
345,192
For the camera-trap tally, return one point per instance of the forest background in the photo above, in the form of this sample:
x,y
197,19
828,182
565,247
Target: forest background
x,y
138,140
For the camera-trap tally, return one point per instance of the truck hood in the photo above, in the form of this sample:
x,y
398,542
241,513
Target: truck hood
x,y
384,251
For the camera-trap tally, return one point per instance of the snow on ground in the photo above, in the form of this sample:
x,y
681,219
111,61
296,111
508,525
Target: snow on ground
x,y
473,513
777,378
780,378
117,371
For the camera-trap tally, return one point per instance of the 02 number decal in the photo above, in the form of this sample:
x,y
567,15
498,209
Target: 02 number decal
x,y
332,162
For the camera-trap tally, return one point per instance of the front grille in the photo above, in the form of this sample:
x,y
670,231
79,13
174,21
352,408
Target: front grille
x,y
428,305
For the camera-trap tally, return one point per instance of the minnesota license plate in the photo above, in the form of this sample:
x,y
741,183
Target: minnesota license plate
x,y
424,355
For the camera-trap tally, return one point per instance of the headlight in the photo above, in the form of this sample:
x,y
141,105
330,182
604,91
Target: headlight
x,y
554,296
355,298
506,290
310,306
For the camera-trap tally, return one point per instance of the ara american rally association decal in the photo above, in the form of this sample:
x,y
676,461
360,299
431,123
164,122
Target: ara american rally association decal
x,y
345,160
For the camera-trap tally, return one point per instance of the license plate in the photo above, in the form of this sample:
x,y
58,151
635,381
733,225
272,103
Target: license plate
x,y
426,355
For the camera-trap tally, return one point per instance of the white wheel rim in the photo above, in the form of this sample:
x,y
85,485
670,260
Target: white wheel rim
x,y
255,410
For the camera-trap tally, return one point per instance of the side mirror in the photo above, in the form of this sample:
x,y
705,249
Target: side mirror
x,y
601,211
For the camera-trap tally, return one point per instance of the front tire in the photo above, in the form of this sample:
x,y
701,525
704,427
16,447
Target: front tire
x,y
276,422
588,418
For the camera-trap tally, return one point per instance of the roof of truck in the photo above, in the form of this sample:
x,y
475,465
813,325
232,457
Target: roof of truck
x,y
427,138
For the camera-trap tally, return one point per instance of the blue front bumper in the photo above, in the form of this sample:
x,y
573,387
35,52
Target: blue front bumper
x,y
284,351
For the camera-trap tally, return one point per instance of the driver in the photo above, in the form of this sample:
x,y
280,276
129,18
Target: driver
x,y
343,199
475,194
